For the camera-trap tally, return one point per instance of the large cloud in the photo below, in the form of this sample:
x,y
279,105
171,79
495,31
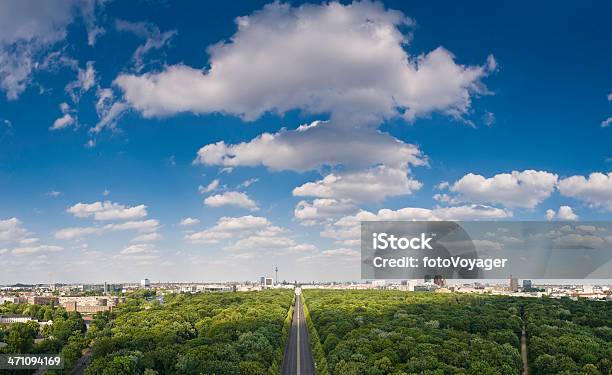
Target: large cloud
x,y
310,146
596,190
343,59
524,189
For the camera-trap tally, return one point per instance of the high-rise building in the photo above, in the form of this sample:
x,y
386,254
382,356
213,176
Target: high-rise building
x,y
527,284
262,280
514,284
145,283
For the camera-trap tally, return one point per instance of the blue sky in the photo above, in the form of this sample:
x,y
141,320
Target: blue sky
x,y
112,114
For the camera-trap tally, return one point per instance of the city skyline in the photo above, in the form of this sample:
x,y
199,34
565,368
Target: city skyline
x,y
198,142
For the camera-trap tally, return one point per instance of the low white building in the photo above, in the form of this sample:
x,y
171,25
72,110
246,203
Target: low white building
x,y
14,319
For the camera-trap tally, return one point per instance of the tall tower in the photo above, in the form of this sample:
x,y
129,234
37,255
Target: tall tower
x,y
276,271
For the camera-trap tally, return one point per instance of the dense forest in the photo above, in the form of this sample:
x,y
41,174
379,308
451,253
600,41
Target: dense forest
x,y
213,333
390,332
352,333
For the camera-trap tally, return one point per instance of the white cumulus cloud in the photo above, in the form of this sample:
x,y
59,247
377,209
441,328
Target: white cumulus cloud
x,y
318,58
524,189
311,146
374,184
310,213
189,221
564,213
596,189
212,186
231,198
108,211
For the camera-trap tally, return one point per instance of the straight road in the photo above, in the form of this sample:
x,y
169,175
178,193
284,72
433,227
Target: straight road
x,y
298,358
524,352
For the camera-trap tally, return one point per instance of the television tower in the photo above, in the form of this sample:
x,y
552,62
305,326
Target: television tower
x,y
276,271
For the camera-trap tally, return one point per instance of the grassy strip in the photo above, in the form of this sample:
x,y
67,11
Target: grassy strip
x,y
275,369
315,343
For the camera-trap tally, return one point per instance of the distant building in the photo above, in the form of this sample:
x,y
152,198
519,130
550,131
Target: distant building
x,y
527,284
43,300
11,299
427,287
72,306
145,283
514,284
268,282
262,280
439,281
379,283
408,285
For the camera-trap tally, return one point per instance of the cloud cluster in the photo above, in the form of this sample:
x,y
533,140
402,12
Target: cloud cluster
x,y
249,236
347,231
347,63
124,218
29,28
17,240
